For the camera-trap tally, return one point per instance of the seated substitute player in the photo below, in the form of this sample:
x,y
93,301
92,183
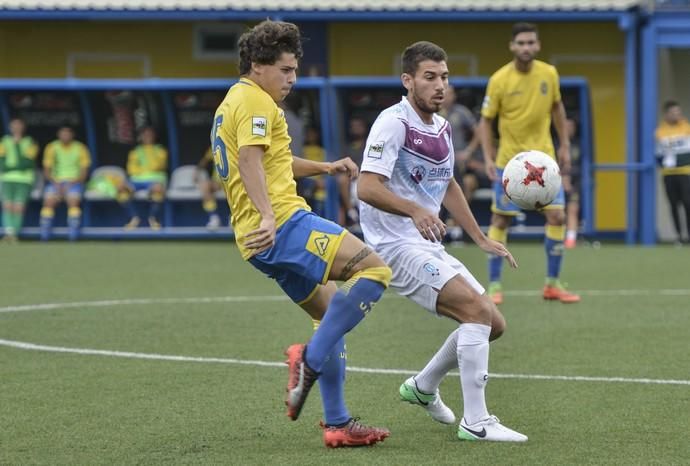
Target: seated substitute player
x,y
146,168
66,165
278,234
407,174
525,95
209,185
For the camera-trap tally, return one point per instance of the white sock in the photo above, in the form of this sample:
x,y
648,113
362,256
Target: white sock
x,y
571,234
445,359
473,359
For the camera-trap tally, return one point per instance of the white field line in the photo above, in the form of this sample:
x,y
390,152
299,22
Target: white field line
x,y
244,299
249,362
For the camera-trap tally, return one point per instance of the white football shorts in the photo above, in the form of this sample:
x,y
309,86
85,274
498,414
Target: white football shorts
x,y
421,270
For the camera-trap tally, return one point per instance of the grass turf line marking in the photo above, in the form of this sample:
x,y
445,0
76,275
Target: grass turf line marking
x,y
248,362
241,299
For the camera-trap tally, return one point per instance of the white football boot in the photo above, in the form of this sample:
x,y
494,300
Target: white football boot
x,y
489,429
431,402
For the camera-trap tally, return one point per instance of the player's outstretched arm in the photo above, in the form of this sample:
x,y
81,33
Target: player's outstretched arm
x,y
372,190
302,167
459,209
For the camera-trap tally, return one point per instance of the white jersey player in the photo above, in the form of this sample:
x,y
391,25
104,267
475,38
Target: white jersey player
x,y
406,175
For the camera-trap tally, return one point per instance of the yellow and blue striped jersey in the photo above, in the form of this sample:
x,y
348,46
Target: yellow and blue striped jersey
x,y
248,116
523,104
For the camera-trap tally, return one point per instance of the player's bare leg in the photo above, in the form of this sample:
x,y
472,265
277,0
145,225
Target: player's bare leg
x,y
573,219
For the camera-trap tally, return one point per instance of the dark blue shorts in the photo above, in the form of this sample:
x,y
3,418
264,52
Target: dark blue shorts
x,y
304,251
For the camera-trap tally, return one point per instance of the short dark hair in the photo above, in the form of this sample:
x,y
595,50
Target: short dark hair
x,y
669,104
519,28
420,51
266,42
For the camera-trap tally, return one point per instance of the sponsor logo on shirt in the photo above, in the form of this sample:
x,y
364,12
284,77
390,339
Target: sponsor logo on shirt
x,y
544,87
439,173
375,150
258,126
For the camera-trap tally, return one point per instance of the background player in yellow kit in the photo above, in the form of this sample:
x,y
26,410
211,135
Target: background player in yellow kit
x,y
525,96
147,169
66,165
277,233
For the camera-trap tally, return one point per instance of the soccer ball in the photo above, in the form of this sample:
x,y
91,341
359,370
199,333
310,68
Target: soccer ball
x,y
531,180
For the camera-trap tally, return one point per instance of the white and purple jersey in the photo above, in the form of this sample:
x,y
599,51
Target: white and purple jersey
x,y
417,158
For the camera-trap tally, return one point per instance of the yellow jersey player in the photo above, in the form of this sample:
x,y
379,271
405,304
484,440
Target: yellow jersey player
x,y
525,96
66,164
147,167
277,233
673,148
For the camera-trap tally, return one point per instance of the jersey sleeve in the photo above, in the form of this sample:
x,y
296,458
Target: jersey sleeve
x,y
49,156
492,99
163,159
32,150
385,139
253,118
133,168
84,157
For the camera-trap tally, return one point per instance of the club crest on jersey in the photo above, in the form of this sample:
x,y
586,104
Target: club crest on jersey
x,y
432,269
544,87
258,126
417,174
375,150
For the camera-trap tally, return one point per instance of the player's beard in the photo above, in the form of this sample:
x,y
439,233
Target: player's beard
x,y
425,107
525,59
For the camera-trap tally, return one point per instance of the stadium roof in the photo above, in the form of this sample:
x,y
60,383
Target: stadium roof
x,y
321,5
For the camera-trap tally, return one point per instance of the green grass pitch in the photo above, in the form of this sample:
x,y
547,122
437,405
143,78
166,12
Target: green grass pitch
x,y
200,300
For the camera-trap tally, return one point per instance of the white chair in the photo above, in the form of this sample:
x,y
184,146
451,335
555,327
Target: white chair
x,y
182,184
114,170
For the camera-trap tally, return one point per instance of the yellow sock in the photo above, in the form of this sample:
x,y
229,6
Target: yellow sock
x,y
47,212
555,232
157,197
74,212
498,234
210,205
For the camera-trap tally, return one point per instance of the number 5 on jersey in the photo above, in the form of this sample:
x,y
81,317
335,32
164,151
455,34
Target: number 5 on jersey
x,y
220,156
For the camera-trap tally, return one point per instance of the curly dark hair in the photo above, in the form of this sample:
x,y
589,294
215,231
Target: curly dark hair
x,y
266,42
420,51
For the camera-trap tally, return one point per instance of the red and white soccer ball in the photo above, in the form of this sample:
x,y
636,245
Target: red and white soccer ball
x,y
532,180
